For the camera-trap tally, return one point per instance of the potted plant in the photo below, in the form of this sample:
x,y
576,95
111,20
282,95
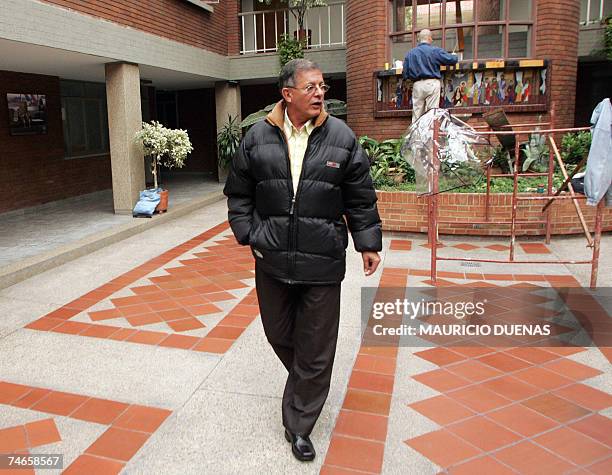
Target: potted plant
x,y
167,147
228,141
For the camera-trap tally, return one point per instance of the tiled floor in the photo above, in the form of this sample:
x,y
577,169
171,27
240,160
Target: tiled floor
x,y
128,426
197,296
469,408
72,219
497,410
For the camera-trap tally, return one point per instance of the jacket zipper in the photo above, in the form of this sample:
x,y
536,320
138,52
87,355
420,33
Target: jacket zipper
x,y
292,208
293,203
291,254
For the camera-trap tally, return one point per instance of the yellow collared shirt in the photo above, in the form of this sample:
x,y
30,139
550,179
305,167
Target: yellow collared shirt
x,y
297,141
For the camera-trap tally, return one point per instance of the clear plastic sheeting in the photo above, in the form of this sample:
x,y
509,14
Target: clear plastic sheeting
x,y
460,165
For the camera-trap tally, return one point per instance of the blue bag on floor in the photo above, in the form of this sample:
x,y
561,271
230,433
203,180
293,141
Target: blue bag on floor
x,y
147,203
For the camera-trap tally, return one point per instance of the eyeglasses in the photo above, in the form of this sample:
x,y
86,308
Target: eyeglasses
x,y
311,88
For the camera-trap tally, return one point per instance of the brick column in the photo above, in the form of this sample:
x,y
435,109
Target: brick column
x,y
557,26
366,39
233,27
124,120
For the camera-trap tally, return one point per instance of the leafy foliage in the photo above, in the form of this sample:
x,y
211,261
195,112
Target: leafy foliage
x,y
387,164
498,185
536,154
228,141
289,48
502,160
168,147
607,39
575,146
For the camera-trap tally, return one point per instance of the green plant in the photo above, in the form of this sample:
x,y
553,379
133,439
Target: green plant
x,y
607,39
289,48
502,160
228,141
536,154
167,147
575,146
334,107
387,163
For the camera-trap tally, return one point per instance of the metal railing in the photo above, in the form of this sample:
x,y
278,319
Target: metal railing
x,y
262,29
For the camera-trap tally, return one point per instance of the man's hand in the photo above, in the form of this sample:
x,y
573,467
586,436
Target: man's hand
x,y
370,262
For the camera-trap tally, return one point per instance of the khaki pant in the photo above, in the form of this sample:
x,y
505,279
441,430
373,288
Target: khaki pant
x,y
425,96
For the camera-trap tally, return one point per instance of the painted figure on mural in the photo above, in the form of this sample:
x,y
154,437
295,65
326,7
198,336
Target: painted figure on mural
x,y
494,92
457,97
502,88
526,92
463,89
518,91
398,95
448,93
510,93
488,95
478,88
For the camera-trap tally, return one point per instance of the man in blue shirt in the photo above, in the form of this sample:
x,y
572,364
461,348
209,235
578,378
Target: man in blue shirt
x,y
422,67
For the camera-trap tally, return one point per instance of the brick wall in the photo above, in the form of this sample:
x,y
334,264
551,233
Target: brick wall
x,y
34,170
403,211
174,19
366,44
557,39
233,27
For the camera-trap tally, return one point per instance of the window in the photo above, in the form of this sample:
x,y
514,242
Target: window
x,y
594,11
84,118
476,29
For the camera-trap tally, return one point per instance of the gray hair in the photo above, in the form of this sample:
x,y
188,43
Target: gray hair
x,y
424,35
290,70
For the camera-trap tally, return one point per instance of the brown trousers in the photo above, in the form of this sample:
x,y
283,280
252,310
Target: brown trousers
x,y
301,324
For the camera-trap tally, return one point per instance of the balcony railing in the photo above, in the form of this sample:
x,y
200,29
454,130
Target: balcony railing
x,y
262,30
594,11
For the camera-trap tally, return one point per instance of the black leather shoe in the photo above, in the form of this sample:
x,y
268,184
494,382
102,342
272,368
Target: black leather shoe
x,y
301,446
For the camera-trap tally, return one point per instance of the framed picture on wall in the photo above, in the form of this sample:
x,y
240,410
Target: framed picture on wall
x,y
27,113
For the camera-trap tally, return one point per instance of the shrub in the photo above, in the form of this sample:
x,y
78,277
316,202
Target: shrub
x,y
575,146
386,161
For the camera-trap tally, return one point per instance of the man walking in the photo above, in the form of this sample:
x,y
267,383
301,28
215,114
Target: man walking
x,y
422,67
294,177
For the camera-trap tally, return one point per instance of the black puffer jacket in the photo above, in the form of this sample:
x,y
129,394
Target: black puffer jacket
x,y
302,238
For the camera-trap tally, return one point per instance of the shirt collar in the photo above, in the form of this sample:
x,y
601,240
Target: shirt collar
x,y
290,128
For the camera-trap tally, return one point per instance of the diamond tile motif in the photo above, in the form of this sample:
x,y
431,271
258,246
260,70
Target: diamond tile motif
x,y
129,427
464,246
497,247
185,291
502,409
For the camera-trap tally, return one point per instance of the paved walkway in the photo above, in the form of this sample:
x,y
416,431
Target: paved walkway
x,y
147,357
31,231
